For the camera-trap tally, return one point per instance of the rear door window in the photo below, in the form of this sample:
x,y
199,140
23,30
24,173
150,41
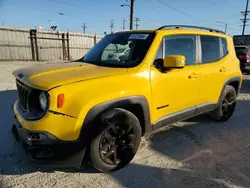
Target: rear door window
x,y
210,49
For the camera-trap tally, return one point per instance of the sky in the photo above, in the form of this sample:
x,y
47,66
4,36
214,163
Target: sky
x,y
97,14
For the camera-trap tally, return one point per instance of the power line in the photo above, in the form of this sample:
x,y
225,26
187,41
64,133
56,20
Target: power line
x,y
58,13
65,3
189,15
181,12
228,27
228,1
82,8
230,17
212,3
193,17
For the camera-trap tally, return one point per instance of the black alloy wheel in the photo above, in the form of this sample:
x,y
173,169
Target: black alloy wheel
x,y
228,105
117,140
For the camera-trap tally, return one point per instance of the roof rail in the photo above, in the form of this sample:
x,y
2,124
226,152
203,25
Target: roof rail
x,y
189,26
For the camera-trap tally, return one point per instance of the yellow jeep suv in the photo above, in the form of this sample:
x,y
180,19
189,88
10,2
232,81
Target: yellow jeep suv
x,y
100,106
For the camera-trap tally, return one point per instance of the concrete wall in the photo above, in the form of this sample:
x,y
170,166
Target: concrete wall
x,y
15,44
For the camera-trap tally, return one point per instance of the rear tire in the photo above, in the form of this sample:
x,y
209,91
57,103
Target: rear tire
x,y
226,106
116,142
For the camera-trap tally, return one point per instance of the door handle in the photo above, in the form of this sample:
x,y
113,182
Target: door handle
x,y
193,75
223,69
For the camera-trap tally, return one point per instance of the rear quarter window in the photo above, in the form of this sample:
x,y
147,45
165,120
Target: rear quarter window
x,y
213,48
224,47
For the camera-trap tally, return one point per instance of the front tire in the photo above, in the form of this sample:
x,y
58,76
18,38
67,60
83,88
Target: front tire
x,y
226,106
117,140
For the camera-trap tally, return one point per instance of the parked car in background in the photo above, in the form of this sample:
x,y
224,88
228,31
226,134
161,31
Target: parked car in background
x,y
241,40
243,54
98,109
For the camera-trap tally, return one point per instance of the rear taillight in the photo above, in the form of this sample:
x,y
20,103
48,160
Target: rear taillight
x,y
244,57
247,57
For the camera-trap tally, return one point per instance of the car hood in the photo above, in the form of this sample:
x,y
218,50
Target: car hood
x,y
48,76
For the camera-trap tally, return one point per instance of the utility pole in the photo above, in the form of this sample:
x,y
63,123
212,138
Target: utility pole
x,y
131,14
84,27
123,24
111,25
131,6
245,13
136,22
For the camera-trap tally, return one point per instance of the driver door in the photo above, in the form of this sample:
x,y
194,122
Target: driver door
x,y
175,92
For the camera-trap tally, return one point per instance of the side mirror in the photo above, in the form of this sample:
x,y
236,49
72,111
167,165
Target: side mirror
x,y
174,61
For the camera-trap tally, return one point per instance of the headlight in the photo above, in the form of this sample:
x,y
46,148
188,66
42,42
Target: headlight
x,y
43,100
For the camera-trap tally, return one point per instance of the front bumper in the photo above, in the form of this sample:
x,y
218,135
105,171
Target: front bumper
x,y
44,149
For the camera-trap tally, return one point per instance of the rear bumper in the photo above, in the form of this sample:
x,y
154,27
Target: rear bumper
x,y
44,149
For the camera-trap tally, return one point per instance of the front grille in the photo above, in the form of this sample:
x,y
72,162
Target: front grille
x,y
23,95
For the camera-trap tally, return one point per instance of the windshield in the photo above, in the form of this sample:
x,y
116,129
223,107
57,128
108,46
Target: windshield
x,y
120,50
